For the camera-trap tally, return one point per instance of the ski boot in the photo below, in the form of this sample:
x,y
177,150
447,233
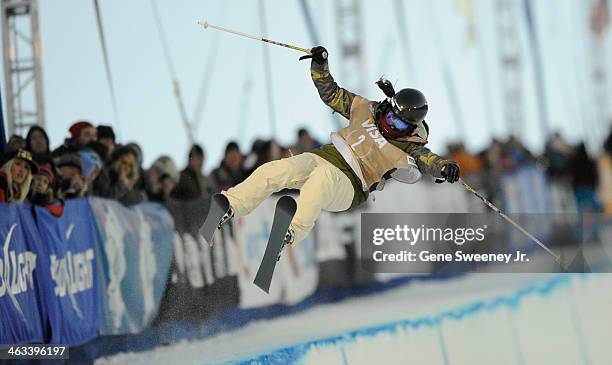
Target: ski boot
x,y
289,239
227,216
219,212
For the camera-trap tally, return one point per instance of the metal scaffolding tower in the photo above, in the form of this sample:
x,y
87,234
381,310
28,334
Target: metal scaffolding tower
x,y
349,31
511,83
22,65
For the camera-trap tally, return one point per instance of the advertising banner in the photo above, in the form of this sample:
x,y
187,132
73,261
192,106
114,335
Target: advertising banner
x,y
21,312
135,248
69,276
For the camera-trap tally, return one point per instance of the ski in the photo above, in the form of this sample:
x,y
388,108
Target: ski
x,y
283,214
219,206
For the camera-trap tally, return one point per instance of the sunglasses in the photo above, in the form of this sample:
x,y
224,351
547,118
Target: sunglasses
x,y
397,124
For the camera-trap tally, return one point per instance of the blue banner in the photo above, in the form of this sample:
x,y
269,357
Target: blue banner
x,y
21,312
135,254
70,277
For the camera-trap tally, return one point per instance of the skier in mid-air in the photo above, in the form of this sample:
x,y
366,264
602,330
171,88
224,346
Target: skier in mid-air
x,y
383,140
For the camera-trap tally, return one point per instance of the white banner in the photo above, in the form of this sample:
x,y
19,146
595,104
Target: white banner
x,y
295,276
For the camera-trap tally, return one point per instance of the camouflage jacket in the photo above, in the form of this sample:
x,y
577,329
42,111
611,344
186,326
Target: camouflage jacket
x,y
341,100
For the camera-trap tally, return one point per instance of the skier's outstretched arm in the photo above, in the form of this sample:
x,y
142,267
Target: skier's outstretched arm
x,y
431,164
334,96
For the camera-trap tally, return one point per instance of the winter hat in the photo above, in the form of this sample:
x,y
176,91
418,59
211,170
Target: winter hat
x,y
70,159
91,161
106,131
22,155
44,170
76,128
166,165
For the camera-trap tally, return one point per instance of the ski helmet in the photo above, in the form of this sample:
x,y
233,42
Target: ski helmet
x,y
409,105
404,111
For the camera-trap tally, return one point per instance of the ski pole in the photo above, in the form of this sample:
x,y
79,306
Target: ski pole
x,y
205,25
516,225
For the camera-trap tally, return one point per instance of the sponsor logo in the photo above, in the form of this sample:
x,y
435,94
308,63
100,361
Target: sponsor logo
x,y
16,269
72,273
374,133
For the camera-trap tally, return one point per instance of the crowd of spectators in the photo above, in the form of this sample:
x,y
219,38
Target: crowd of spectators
x,y
92,162
569,168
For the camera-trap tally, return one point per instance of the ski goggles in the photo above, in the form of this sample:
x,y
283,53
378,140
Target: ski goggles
x,y
397,124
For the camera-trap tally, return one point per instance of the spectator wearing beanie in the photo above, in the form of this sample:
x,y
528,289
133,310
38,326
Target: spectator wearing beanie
x,y
16,172
118,180
81,133
106,136
41,191
92,165
163,165
72,184
166,187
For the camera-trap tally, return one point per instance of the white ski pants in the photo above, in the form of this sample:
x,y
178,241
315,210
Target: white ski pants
x,y
322,186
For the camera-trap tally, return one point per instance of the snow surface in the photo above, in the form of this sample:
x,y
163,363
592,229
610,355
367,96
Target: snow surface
x,y
407,302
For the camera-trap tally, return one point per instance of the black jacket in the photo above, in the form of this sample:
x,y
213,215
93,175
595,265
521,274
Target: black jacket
x,y
225,178
192,185
108,185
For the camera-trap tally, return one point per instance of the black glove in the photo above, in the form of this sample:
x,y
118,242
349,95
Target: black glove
x,y
450,171
318,54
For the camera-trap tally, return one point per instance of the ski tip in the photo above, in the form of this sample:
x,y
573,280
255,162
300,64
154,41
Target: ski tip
x,y
262,282
204,24
210,243
266,290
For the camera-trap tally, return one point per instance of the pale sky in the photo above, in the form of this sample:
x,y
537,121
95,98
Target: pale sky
x,y
75,84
